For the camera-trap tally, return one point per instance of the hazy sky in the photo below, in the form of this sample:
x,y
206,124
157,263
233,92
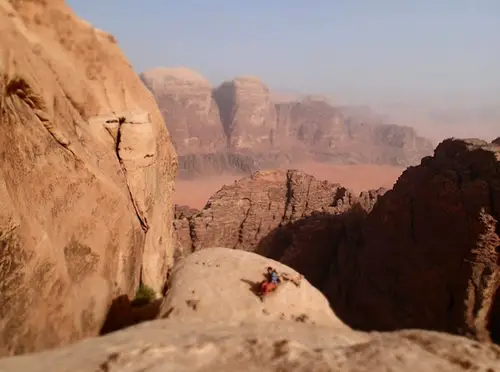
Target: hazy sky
x,y
372,51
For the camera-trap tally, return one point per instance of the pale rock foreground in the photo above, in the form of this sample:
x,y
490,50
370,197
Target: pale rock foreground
x,y
219,284
241,340
169,345
86,173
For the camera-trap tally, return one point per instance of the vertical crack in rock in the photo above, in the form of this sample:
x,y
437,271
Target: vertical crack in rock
x,y
142,219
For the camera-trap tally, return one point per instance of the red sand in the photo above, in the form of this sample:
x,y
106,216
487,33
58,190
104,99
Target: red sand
x,y
355,177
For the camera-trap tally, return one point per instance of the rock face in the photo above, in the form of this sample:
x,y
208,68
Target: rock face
x,y
195,165
247,112
191,114
199,288
311,122
242,118
240,215
497,141
288,216
429,253
86,169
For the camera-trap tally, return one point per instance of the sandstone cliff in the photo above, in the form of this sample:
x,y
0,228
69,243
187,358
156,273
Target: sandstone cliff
x,y
190,112
86,169
247,112
429,253
241,117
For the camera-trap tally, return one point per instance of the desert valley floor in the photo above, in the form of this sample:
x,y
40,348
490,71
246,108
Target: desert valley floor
x,y
195,193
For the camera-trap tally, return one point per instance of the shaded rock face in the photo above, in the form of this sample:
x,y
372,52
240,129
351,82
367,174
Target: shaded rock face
x,y
429,253
497,141
86,169
288,216
190,112
247,113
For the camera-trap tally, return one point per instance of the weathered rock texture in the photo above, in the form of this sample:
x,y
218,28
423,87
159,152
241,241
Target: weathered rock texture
x,y
247,113
429,253
86,169
286,215
188,108
195,165
218,326
170,345
199,288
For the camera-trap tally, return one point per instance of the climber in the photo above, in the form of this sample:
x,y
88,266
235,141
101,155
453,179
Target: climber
x,y
271,283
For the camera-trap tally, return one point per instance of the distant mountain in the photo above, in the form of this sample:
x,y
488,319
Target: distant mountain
x,y
245,119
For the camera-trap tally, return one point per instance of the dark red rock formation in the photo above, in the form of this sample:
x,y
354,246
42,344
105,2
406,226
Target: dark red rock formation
x,y
428,256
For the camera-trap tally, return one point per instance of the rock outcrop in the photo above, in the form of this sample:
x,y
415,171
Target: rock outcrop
x,y
314,123
247,112
288,216
86,169
195,165
200,288
429,253
496,141
239,215
191,114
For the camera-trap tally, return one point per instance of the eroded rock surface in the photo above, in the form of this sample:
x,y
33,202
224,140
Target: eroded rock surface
x,y
288,216
86,169
243,118
429,253
221,283
191,114
169,345
247,112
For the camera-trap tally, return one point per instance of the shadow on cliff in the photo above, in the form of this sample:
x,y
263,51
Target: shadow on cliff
x,y
124,313
377,279
316,247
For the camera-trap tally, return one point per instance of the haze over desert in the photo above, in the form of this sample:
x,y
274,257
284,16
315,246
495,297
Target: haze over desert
x,y
195,193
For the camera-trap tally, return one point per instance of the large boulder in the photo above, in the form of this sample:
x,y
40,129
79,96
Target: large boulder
x,y
86,169
429,254
222,284
247,112
169,345
190,113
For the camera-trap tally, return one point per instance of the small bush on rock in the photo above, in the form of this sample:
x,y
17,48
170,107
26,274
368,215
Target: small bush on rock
x,y
144,294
